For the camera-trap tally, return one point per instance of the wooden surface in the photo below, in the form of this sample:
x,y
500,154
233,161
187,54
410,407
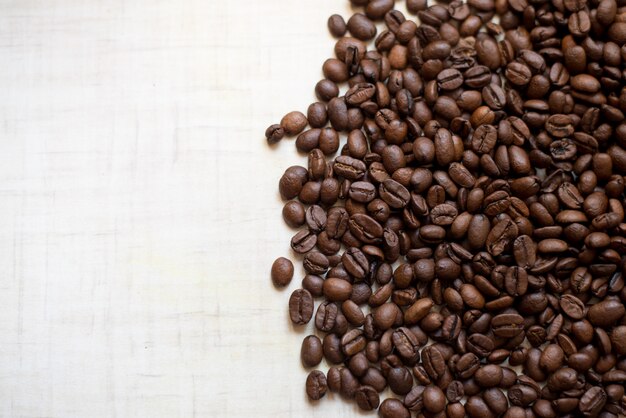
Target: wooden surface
x,y
139,211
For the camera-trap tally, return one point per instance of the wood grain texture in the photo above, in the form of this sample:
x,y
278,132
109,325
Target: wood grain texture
x,y
134,252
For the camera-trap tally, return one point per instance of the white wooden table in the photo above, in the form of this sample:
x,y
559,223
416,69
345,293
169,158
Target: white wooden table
x,y
139,212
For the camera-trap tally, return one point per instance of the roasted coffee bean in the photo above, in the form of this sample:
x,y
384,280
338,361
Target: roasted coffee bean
x,y
507,325
434,399
394,194
393,408
606,312
282,272
274,133
592,401
488,376
301,307
316,385
311,352
303,242
337,26
367,398
500,236
315,263
293,123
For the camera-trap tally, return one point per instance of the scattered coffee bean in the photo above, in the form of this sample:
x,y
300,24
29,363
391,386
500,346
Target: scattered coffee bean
x,y
316,385
475,214
282,272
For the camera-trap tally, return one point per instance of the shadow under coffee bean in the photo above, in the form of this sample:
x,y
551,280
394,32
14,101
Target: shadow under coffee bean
x,y
461,211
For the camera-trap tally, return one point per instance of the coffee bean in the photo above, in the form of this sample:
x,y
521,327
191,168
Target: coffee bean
x,y
293,123
311,352
434,399
337,26
282,272
300,307
592,401
488,376
606,313
303,242
518,74
367,398
316,385
394,194
500,236
484,139
449,79
365,229
480,345
400,380
572,306
361,27
393,408
507,325
418,311
315,263
274,133
337,290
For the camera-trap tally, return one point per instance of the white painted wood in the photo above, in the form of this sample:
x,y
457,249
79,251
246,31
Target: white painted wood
x,y
134,261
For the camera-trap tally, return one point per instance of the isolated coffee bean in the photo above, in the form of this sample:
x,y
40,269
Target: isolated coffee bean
x,y
282,272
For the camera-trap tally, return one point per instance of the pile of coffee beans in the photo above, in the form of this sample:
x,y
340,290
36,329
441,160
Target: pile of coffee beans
x,y
461,213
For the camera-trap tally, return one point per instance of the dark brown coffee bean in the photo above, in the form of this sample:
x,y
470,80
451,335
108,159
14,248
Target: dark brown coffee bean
x,y
353,342
606,313
579,23
507,325
367,398
385,316
311,352
393,408
488,376
303,242
400,380
480,345
274,133
418,310
406,344
282,272
592,401
316,385
500,236
572,306
449,79
292,181
293,123
434,399
337,26
434,362
518,74
365,228
394,194
361,27
484,139
300,307
337,290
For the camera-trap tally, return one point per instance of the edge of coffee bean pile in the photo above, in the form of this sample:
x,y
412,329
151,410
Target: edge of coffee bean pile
x,y
460,215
